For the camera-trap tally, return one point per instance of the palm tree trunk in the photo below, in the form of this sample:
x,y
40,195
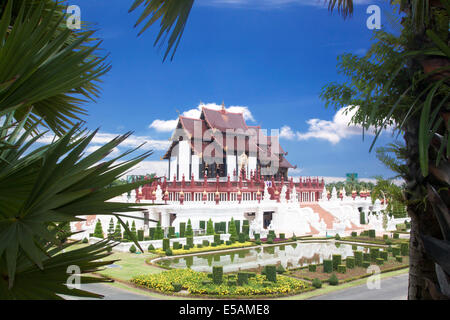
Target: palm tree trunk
x,y
423,221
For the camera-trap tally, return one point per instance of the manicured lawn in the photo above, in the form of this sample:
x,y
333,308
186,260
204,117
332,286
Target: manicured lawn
x,y
326,288
130,265
351,274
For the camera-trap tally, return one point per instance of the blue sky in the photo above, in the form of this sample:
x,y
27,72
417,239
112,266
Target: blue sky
x,y
269,57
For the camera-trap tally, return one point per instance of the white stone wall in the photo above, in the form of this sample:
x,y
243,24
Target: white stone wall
x,y
251,165
196,167
184,154
88,225
157,244
173,167
231,165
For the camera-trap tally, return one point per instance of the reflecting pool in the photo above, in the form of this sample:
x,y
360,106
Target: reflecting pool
x,y
292,255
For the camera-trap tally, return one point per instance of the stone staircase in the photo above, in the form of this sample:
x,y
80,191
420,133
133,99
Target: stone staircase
x,y
327,217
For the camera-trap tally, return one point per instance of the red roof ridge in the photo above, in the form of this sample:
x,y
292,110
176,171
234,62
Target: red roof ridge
x,y
242,113
190,118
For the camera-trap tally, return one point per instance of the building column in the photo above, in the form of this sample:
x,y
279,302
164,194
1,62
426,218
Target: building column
x,y
165,220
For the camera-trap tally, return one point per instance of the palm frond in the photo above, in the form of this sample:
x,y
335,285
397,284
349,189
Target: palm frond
x,y
173,14
344,7
52,184
45,65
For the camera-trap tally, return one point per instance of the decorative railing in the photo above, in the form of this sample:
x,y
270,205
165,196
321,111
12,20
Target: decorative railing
x,y
244,190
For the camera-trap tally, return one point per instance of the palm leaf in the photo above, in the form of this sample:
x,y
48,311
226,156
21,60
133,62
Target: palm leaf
x,y
54,183
45,65
173,14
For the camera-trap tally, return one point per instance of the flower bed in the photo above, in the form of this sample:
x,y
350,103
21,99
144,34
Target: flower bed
x,y
192,281
177,252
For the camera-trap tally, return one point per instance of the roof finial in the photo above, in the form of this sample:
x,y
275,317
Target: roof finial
x,y
223,106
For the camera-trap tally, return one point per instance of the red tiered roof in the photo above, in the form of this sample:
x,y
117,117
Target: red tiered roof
x,y
221,120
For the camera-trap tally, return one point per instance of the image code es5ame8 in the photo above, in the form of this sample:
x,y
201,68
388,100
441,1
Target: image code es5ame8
x,y
258,309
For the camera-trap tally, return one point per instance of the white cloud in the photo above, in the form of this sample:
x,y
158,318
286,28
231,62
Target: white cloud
x,y
160,168
164,126
287,133
132,141
170,125
295,172
333,131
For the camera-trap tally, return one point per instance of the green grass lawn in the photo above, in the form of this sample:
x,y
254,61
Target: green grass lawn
x,y
130,265
326,288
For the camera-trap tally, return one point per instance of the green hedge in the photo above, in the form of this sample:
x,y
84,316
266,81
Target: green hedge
x,y
190,241
171,232
217,239
396,235
205,243
140,235
396,251
241,237
341,268
165,244
372,233
242,278
182,229
177,287
327,266
203,225
238,226
354,234
399,259
152,233
257,236
379,261
317,283
366,264
312,268
280,269
176,245
367,257
246,230
333,280
282,236
350,262
358,258
271,273
404,249
362,218
337,259
384,255
217,275
150,247
374,254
